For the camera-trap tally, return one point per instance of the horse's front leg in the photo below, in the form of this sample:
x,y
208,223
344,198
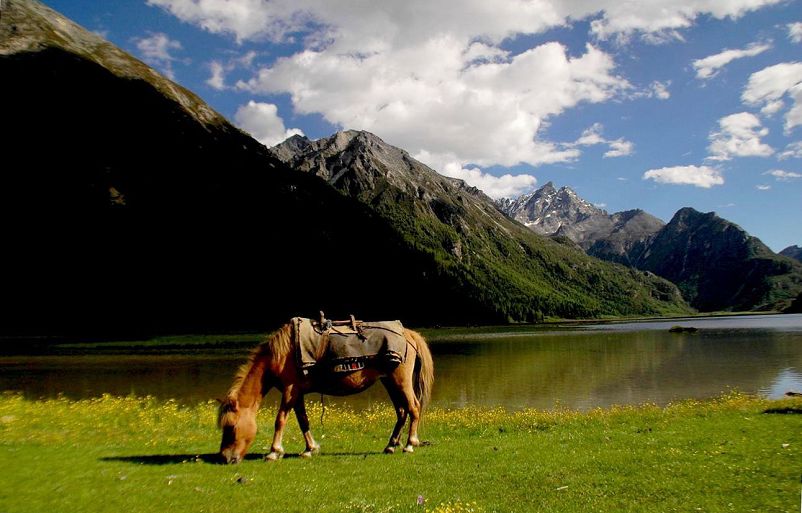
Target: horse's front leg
x,y
303,422
288,399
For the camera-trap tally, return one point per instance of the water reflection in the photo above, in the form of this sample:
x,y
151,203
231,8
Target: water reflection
x,y
576,368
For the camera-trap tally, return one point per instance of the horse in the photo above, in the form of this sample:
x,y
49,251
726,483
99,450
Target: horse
x,y
273,364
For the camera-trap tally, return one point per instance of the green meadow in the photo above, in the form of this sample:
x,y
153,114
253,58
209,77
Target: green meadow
x,y
115,454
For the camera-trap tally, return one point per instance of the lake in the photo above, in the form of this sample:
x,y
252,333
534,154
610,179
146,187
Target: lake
x,y
577,366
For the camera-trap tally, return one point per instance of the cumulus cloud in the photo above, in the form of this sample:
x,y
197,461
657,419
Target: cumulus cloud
x,y
157,50
739,136
218,78
793,150
656,20
483,113
770,85
593,136
262,121
220,69
433,77
783,176
711,65
699,176
505,186
795,31
619,148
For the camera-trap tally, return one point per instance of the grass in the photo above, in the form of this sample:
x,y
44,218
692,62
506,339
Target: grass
x,y
139,454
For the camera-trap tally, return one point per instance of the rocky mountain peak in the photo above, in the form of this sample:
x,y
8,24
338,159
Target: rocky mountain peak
x,y
548,209
360,164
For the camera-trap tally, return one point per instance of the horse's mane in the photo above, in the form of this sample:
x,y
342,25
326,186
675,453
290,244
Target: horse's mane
x,y
277,344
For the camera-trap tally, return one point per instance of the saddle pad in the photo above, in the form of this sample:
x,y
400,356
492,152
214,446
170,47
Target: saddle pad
x,y
342,346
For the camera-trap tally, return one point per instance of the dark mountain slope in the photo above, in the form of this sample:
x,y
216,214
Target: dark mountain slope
x,y
718,266
130,207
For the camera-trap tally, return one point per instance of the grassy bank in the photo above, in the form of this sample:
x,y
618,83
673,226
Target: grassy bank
x,y
129,454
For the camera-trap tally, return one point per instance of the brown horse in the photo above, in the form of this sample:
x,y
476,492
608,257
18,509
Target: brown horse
x,y
273,364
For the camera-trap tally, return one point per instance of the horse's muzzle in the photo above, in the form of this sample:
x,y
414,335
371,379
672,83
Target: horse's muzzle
x,y
230,457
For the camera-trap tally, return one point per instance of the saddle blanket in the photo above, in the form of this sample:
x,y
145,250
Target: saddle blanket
x,y
347,349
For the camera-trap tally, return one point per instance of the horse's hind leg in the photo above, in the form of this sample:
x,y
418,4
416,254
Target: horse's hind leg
x,y
401,414
413,406
303,422
288,399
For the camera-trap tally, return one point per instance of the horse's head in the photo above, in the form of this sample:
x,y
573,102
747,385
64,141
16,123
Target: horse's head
x,y
239,429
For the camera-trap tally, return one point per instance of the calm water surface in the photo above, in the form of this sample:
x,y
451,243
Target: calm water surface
x,y
578,367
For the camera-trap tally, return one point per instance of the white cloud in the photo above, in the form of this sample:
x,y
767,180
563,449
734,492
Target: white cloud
x,y
659,21
710,66
795,32
432,76
157,49
783,176
699,176
619,148
262,121
218,78
660,89
768,87
505,186
600,205
739,136
483,113
762,187
376,22
593,136
219,69
793,150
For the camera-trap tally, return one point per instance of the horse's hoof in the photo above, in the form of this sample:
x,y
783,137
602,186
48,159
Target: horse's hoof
x,y
389,450
315,449
414,442
409,448
274,456
306,455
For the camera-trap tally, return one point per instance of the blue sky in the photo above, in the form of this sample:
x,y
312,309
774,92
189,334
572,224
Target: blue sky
x,y
656,104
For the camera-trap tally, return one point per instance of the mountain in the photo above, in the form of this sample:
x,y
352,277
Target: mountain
x,y
719,266
491,259
131,207
562,213
794,252
547,210
715,263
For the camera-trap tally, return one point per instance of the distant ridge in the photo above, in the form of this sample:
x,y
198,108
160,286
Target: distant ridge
x,y
715,263
794,252
563,213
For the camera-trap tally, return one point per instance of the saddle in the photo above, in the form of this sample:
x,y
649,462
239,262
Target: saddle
x,y
346,346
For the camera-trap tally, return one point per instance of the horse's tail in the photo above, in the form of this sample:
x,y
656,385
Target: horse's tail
x,y
423,379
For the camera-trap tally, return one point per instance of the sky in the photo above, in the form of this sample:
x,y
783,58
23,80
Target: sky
x,y
651,104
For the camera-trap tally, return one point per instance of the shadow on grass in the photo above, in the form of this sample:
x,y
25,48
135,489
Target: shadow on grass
x,y
215,459
784,411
